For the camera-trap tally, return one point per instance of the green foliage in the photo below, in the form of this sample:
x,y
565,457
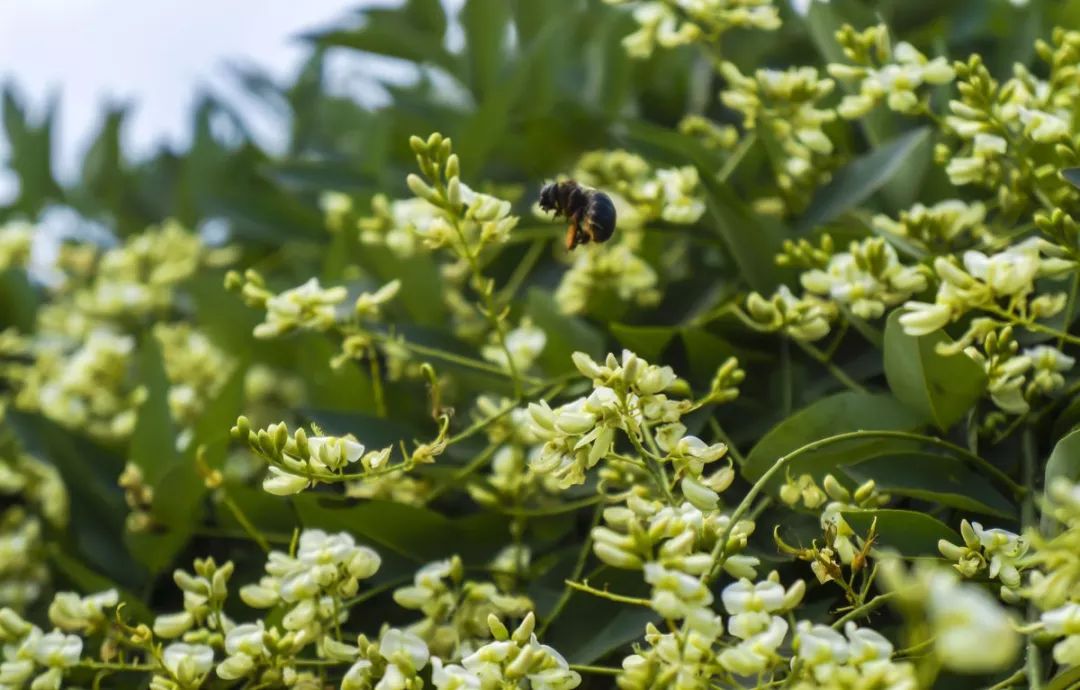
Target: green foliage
x,y
840,304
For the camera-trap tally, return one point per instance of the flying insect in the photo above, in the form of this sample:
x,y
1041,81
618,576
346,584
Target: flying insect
x,y
591,212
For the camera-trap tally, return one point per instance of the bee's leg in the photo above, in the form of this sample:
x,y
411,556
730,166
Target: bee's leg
x,y
572,233
588,229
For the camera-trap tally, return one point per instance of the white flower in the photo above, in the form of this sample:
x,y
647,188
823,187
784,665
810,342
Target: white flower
x,y
676,594
525,343
972,632
334,452
866,645
922,318
69,611
757,651
397,646
820,644
357,676
246,638
744,596
1007,273
281,483
1043,127
58,650
188,662
452,677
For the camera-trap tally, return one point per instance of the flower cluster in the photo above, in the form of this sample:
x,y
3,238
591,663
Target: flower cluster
x,y
969,630
945,226
673,23
30,653
1011,137
512,660
196,368
298,461
456,611
885,72
91,387
984,281
325,569
81,371
785,106
997,551
16,242
860,658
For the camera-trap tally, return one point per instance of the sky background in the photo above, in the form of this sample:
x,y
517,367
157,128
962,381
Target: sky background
x,y
153,54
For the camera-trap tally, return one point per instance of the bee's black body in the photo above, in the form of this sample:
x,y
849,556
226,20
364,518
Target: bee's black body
x,y
590,212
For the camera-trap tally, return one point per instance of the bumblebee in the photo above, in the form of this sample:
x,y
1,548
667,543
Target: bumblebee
x,y
590,212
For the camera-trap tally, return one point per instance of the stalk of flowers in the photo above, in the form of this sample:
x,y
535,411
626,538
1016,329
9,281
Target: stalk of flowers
x,y
673,23
1010,137
82,348
35,500
297,461
467,224
784,107
884,72
456,611
864,281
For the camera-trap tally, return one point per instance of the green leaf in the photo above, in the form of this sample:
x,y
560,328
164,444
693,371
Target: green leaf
x,y
18,300
909,532
706,351
646,341
860,178
394,34
836,414
591,627
153,443
1072,176
485,23
565,334
1064,463
1068,679
940,388
936,478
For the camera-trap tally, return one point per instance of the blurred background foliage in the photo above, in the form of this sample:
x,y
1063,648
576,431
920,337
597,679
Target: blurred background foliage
x,y
524,88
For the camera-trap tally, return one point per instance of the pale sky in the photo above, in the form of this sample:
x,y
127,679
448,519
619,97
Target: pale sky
x,y
152,53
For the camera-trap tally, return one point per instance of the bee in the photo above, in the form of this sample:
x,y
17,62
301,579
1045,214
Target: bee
x,y
590,212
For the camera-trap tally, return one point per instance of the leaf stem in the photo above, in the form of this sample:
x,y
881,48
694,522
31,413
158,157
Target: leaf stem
x,y
604,594
838,373
1029,520
595,670
860,611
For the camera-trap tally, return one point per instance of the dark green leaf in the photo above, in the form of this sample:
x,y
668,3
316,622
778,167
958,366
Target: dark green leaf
x,y
940,388
1072,175
1064,463
647,341
909,532
858,180
1068,679
18,300
485,23
836,414
941,479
